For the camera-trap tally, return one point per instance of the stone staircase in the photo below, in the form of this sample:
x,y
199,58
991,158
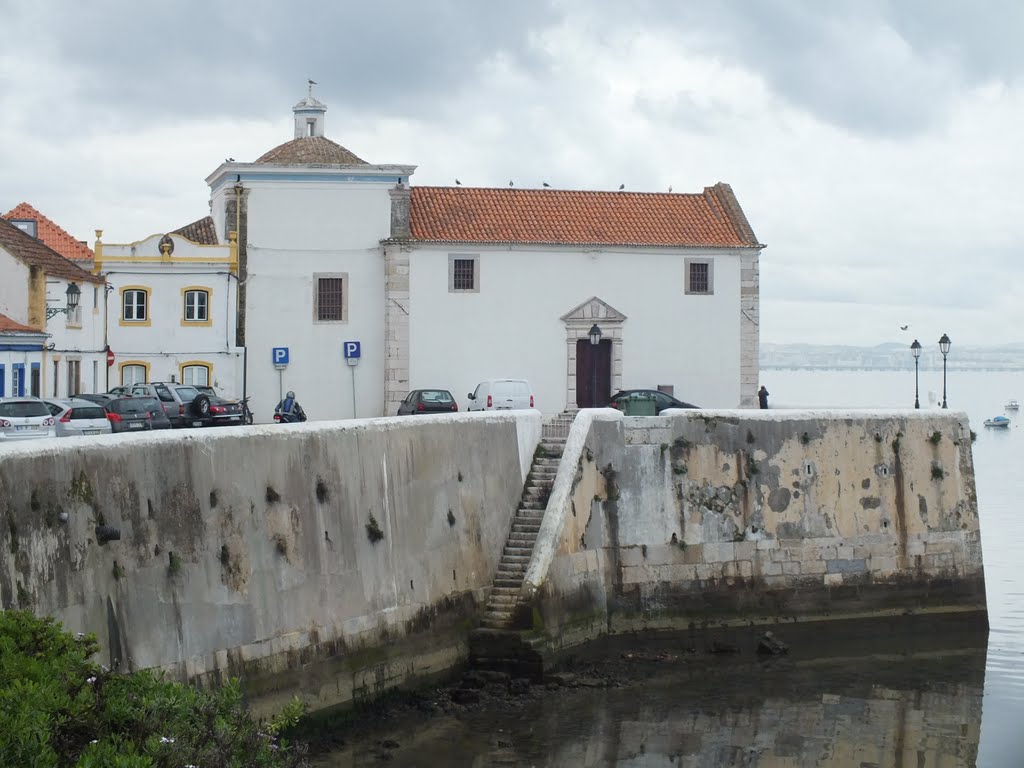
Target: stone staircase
x,y
515,558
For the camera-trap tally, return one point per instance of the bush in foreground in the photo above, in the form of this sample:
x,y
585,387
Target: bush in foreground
x,y
59,708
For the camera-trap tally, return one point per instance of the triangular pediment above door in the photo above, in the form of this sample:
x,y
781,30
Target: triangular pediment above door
x,y
593,309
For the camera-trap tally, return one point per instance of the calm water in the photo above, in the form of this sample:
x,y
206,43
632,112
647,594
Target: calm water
x,y
907,705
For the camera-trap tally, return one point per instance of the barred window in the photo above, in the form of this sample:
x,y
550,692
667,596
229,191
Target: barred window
x,y
462,275
699,276
330,299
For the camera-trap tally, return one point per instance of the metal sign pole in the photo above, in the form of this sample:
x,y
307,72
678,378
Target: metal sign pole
x,y
353,369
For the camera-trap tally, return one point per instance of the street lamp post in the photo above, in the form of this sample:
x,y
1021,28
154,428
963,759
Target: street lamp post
x,y
72,293
944,349
595,340
915,350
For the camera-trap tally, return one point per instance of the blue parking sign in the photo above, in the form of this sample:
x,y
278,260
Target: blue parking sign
x,y
279,355
352,350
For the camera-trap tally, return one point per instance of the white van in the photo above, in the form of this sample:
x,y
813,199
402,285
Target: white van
x,y
501,395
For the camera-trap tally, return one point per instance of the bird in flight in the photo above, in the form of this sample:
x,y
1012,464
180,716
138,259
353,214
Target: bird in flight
x,y
904,327
621,187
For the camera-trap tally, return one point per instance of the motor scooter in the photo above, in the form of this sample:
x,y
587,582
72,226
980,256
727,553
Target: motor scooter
x,y
289,418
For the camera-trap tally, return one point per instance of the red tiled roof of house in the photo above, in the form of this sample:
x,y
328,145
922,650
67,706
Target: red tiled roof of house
x,y
712,219
35,253
54,236
11,326
201,231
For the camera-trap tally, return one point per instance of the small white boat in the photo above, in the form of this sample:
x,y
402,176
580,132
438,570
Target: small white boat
x,y
998,421
1012,405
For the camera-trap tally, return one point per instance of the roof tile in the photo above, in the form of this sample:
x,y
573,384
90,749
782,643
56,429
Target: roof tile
x,y
10,326
202,231
54,236
35,253
310,150
709,219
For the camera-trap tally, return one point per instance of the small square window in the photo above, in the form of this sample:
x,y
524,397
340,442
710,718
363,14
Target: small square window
x,y
700,276
463,273
330,298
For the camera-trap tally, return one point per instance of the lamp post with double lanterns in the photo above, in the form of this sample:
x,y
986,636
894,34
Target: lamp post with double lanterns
x,y
72,293
944,349
915,350
595,340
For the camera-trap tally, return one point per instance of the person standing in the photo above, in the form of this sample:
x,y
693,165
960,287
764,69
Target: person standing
x,y
762,397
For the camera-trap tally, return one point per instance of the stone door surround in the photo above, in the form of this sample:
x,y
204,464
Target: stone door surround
x,y
578,322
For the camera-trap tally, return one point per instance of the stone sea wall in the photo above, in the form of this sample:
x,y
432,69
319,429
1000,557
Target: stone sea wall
x,y
332,560
696,519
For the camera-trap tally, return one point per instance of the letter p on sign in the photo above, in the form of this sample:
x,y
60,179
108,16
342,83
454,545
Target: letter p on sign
x,y
352,350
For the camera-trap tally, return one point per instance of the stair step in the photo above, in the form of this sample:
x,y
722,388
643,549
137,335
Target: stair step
x,y
510,591
502,599
521,541
516,583
515,549
527,525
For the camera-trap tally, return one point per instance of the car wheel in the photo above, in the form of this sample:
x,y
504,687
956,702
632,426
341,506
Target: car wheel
x,y
201,406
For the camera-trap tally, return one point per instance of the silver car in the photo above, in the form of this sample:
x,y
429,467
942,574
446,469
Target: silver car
x,y
24,418
78,417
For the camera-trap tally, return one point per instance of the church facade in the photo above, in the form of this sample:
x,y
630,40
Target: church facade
x,y
356,285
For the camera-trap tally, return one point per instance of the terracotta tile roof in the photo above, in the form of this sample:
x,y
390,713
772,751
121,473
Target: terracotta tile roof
x,y
10,326
202,231
35,253
709,219
54,236
311,150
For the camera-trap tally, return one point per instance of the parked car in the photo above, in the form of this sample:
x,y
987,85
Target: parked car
x,y
24,418
184,405
501,394
224,411
129,414
76,417
661,399
157,415
428,401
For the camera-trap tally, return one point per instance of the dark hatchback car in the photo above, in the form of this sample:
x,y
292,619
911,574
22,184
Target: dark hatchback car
x,y
157,416
428,401
129,414
661,400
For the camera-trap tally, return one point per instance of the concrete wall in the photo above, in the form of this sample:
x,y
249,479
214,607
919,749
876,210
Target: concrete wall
x,y
729,517
246,550
668,337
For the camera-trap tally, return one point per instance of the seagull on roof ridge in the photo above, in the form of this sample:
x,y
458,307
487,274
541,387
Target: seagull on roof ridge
x,y
544,184
621,187
458,183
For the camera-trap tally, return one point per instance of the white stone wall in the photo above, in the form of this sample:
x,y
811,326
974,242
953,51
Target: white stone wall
x,y
13,288
513,327
295,232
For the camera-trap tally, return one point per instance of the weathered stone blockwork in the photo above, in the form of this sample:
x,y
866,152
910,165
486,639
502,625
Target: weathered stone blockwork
x,y
329,560
730,517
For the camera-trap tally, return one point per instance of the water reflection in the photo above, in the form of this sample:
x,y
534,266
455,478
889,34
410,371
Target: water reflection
x,y
919,711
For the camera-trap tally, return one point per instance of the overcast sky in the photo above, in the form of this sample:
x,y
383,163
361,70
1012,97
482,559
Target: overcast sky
x,y
875,146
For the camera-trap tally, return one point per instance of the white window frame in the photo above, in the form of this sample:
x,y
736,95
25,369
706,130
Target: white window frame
x,y
135,305
189,369
128,381
193,293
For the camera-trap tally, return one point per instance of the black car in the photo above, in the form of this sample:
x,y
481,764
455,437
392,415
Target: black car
x,y
661,400
100,398
157,416
428,401
129,414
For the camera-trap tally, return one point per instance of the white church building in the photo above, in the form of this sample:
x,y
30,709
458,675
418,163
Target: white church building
x,y
443,287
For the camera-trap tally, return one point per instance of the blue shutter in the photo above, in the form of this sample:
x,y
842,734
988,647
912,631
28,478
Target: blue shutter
x,y
20,367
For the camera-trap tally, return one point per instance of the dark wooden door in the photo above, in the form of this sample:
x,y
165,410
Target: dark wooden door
x,y
593,360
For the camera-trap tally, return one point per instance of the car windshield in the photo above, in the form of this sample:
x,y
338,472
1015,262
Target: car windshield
x,y
20,408
87,412
436,396
187,394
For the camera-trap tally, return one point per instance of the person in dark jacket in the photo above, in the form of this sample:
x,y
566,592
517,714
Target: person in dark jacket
x,y
289,409
762,397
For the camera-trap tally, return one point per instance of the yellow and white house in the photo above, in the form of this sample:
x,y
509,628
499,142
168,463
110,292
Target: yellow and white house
x,y
173,309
